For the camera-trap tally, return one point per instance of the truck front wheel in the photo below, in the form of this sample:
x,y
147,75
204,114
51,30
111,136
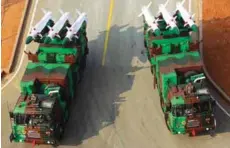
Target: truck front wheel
x,y
167,120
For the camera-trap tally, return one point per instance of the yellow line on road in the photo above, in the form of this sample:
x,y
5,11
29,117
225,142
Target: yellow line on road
x,y
107,31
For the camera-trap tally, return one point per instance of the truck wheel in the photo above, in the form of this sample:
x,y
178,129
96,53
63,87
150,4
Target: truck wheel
x,y
145,44
56,144
81,74
151,68
66,114
11,137
83,62
61,131
86,50
212,133
162,104
166,121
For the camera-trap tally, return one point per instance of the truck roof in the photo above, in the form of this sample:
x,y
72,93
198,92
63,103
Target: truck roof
x,y
46,72
170,63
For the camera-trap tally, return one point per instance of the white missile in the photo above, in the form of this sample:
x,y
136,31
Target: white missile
x,y
170,21
54,31
149,18
72,31
36,30
188,19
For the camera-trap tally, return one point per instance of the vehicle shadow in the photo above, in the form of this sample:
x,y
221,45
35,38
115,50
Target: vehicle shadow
x,y
223,124
97,101
222,120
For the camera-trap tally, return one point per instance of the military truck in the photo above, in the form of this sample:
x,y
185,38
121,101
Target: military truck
x,y
48,85
173,52
184,96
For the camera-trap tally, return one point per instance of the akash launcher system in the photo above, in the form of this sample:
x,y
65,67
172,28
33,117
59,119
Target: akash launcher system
x,y
178,71
50,79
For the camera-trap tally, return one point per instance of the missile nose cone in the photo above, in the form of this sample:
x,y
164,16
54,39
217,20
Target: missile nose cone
x,y
157,32
47,40
29,39
65,41
176,30
194,28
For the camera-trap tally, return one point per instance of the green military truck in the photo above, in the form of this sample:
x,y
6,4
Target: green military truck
x,y
48,86
177,67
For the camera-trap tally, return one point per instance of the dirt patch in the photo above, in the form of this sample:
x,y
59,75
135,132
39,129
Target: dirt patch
x,y
12,12
216,31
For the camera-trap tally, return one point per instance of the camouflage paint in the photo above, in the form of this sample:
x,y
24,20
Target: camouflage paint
x,y
178,101
177,124
19,132
27,87
52,65
20,108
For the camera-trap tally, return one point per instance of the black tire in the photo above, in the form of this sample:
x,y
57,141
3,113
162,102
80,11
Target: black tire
x,y
212,133
56,144
68,112
86,50
11,137
78,79
83,62
59,133
81,75
166,120
152,71
145,44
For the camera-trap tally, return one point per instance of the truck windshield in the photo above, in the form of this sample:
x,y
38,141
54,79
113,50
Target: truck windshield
x,y
183,110
31,119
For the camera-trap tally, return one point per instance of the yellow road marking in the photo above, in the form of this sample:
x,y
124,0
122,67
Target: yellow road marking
x,y
107,31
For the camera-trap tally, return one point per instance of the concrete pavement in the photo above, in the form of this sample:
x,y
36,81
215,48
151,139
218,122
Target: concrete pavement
x,y
116,106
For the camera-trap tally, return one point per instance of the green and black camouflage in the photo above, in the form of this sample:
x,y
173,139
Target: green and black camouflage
x,y
178,74
47,88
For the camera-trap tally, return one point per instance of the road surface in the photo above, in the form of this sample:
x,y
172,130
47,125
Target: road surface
x,y
116,106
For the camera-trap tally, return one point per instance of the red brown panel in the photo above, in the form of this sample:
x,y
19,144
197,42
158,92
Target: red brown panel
x,y
192,100
173,67
191,68
31,56
70,59
194,46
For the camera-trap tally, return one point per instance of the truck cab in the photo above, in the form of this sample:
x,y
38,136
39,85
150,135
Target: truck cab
x,y
193,110
185,99
39,117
